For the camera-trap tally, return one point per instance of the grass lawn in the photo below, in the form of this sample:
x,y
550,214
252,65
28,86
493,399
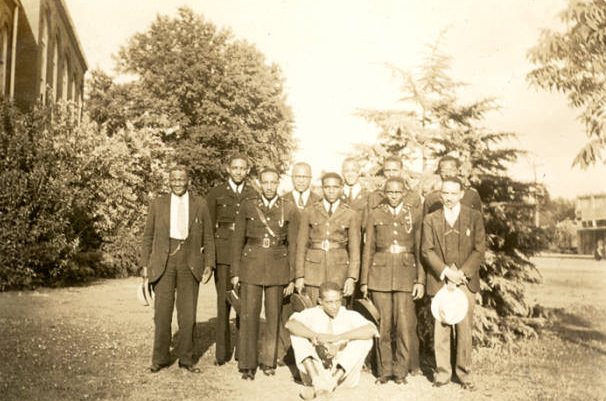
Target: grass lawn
x,y
94,343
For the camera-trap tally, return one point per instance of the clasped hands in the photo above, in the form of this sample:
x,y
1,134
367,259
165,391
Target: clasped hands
x,y
454,275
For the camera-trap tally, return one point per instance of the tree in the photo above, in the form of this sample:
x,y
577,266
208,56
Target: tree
x,y
574,62
432,122
207,93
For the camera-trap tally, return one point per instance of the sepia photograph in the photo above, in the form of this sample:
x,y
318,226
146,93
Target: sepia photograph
x,y
273,200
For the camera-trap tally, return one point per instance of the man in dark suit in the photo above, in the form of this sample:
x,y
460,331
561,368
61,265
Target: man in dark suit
x,y
353,193
395,278
453,246
301,196
392,167
448,166
263,264
328,242
224,203
177,252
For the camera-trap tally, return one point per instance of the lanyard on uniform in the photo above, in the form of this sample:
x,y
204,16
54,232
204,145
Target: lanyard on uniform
x,y
264,220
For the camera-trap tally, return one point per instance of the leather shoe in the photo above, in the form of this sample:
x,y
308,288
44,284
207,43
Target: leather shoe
x,y
267,371
248,374
468,386
382,380
217,363
156,367
189,368
440,384
400,380
416,372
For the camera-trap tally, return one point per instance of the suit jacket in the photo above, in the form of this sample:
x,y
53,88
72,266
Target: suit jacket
x,y
359,204
313,198
156,237
384,271
433,200
253,263
224,206
317,265
472,246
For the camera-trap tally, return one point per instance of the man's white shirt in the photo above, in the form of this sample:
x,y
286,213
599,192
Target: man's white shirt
x,y
330,207
353,191
179,216
304,195
451,216
234,187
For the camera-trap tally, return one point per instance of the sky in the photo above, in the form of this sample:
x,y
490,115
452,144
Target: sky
x,y
333,55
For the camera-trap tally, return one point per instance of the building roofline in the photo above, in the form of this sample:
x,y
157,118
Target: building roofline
x,y
595,195
72,31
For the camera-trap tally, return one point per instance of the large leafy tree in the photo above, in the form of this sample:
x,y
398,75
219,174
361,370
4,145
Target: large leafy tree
x,y
574,62
429,122
207,92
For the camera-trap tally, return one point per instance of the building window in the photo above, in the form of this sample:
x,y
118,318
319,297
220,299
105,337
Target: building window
x,y
43,59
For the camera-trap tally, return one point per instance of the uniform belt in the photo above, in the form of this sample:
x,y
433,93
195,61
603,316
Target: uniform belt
x,y
229,226
327,245
265,242
395,248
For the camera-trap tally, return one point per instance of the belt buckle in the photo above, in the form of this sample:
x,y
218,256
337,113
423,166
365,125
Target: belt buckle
x,y
266,242
393,248
325,245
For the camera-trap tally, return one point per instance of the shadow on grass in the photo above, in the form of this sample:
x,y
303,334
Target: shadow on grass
x,y
578,330
204,337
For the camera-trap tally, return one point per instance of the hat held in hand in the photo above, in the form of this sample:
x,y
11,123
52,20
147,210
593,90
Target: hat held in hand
x,y
145,293
449,305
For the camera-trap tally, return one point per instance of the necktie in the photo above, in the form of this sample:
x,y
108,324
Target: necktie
x,y
330,211
350,194
300,203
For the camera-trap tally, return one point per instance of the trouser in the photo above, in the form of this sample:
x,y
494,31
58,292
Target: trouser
x,y
284,345
222,329
398,325
251,296
463,333
177,275
350,359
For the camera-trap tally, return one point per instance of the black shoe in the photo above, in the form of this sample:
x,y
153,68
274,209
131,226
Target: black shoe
x,y
440,384
156,367
189,368
382,380
468,386
267,370
248,374
400,380
219,363
416,372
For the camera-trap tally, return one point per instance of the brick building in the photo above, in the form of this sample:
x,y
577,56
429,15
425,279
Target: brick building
x,y
41,57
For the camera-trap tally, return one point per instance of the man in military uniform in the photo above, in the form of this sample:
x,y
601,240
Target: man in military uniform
x,y
392,167
328,243
224,202
263,246
392,273
448,166
301,195
353,193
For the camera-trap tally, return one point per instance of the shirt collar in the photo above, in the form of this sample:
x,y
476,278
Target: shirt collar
x,y
327,205
269,203
352,191
234,187
398,208
182,198
451,215
304,194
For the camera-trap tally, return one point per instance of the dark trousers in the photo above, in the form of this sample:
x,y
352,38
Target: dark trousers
x,y
284,345
176,276
249,356
222,329
398,323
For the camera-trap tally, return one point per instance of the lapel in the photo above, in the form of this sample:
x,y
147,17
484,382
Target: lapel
x,y
192,210
320,208
464,225
439,227
165,214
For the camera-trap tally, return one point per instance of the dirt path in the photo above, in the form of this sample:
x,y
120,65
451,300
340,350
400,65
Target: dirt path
x,y
94,342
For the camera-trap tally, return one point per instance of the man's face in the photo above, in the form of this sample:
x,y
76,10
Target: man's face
x,y
269,184
301,178
331,302
332,188
392,169
451,194
395,193
238,169
448,168
350,172
178,181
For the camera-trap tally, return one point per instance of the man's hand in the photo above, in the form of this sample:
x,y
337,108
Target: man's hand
x,y
299,284
288,289
364,290
207,274
235,281
348,287
454,276
326,338
418,290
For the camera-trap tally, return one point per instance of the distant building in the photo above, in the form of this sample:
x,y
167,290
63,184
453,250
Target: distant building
x,y
591,211
41,58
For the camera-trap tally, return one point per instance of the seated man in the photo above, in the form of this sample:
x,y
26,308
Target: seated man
x,y
330,342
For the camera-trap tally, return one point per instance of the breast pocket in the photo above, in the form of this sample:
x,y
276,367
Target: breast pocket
x,y
225,210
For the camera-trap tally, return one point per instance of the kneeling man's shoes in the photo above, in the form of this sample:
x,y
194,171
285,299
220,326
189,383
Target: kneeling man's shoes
x,y
156,367
440,384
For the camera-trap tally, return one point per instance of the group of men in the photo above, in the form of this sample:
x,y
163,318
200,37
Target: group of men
x,y
391,246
